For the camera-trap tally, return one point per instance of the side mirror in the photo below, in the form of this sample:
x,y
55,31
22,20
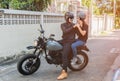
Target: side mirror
x,y
52,35
41,31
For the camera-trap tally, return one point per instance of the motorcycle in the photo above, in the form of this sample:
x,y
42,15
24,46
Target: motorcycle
x,y
51,49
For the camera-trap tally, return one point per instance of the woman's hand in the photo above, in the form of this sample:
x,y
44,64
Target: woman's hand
x,y
76,26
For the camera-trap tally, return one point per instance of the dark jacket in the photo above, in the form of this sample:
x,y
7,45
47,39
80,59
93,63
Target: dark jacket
x,y
68,32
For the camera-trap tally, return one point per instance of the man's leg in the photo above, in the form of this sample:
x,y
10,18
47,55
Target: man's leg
x,y
66,50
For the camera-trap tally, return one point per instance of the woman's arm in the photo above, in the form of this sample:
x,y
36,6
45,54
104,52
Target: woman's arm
x,y
83,32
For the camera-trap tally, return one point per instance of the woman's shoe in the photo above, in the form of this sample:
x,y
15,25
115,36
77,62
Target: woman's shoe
x,y
74,60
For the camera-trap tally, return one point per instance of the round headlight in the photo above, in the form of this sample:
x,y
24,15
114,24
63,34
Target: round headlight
x,y
35,42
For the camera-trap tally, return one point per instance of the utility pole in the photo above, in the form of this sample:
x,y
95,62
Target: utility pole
x,y
74,4
90,16
114,12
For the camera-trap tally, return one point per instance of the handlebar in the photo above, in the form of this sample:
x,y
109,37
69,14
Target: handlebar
x,y
41,31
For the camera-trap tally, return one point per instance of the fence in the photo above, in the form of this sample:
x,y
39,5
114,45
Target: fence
x,y
101,23
17,17
18,29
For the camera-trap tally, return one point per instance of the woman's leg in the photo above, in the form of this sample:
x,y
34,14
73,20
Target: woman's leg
x,y
74,45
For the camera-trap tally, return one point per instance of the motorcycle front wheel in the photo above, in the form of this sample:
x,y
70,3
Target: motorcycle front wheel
x,y
81,63
28,64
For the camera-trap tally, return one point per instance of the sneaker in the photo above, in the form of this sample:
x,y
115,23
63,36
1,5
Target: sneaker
x,y
74,60
63,75
79,61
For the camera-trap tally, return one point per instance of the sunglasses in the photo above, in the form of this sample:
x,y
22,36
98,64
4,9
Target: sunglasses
x,y
71,17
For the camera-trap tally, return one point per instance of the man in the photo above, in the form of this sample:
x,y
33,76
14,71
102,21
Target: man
x,y
68,38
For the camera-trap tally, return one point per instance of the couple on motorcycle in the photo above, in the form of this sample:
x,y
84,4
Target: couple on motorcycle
x,y
69,30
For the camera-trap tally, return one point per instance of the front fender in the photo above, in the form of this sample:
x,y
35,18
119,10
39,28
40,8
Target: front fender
x,y
31,47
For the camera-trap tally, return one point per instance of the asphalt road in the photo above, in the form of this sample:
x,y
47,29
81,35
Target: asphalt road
x,y
104,50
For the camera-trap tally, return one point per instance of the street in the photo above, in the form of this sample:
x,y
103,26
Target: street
x,y
104,50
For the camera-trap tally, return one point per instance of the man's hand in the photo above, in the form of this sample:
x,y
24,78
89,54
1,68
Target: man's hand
x,y
76,25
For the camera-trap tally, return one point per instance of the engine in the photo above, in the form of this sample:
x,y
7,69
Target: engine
x,y
54,57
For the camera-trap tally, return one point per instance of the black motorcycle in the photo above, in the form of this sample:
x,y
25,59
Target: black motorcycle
x,y
52,51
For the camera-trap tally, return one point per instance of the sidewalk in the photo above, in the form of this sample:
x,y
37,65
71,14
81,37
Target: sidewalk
x,y
11,59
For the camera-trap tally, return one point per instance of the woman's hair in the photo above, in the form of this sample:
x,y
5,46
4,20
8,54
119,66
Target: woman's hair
x,y
84,23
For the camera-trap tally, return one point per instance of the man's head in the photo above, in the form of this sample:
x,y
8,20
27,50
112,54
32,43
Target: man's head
x,y
69,17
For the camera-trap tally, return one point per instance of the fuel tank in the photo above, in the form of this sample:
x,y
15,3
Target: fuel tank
x,y
53,45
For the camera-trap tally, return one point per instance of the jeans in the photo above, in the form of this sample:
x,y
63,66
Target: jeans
x,y
74,45
66,52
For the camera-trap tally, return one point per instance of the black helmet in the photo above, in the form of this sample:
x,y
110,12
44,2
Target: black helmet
x,y
82,15
69,15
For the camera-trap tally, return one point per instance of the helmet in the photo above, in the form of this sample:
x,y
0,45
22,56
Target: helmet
x,y
82,15
69,15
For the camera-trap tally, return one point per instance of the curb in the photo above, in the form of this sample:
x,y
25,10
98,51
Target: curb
x,y
12,58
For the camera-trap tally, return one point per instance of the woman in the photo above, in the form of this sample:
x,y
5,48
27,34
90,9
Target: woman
x,y
82,33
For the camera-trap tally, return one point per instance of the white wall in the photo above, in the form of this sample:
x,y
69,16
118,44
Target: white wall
x,y
15,38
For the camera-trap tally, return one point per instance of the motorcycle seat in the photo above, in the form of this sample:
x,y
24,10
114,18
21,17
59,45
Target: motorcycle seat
x,y
84,47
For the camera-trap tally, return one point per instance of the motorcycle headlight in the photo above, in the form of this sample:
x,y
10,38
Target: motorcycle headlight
x,y
35,42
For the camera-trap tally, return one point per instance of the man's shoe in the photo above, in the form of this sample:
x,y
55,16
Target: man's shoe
x,y
63,75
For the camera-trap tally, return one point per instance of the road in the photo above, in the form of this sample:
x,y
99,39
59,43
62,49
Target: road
x,y
104,50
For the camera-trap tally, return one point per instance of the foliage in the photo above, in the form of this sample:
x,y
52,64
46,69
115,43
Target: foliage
x,y
86,3
5,3
35,5
14,4
117,22
105,6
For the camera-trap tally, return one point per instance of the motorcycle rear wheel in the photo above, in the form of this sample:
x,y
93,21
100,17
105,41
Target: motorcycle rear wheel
x,y
81,63
32,64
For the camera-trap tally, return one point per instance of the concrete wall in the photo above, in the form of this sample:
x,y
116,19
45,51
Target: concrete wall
x,y
100,24
15,38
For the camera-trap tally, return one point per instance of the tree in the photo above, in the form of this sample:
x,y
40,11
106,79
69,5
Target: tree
x,y
105,6
34,5
99,6
86,3
14,4
117,14
5,4
41,5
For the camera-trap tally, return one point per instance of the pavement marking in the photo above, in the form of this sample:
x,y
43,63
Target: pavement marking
x,y
116,75
6,67
1,80
115,50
